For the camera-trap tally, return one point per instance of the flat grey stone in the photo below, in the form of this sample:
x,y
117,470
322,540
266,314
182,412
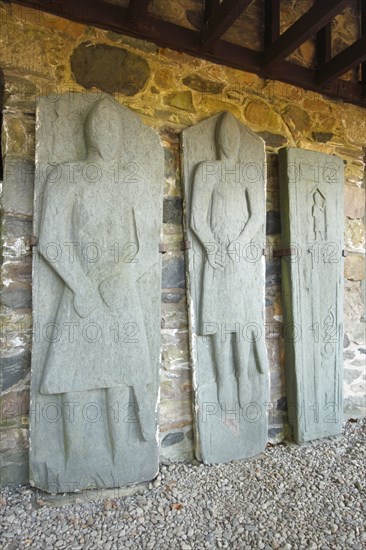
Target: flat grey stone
x,y
170,296
273,272
172,211
17,298
359,362
96,272
274,432
199,84
16,226
14,367
272,140
350,375
224,192
14,470
173,272
346,340
322,137
273,223
172,439
311,196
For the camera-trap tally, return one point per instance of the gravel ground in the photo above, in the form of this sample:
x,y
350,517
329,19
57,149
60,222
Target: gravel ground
x,y
292,497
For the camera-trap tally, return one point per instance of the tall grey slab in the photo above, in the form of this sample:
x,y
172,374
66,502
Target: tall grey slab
x,y
224,190
96,299
311,186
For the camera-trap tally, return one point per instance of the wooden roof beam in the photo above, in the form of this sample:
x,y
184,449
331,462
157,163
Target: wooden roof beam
x,y
168,35
210,7
343,62
221,20
363,33
271,21
306,26
137,11
324,45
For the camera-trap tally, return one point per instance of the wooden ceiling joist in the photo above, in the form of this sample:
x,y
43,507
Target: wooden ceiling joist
x,y
324,45
271,22
305,27
210,7
363,33
221,20
343,62
137,10
323,80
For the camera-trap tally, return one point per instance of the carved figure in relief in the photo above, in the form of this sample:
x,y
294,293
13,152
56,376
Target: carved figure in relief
x,y
319,218
223,220
93,211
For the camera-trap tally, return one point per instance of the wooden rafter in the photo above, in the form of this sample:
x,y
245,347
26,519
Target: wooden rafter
x,y
210,7
137,10
169,35
343,62
271,22
306,26
221,20
324,45
363,33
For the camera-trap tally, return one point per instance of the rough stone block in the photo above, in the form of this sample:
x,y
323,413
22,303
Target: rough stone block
x,y
273,140
200,84
273,272
172,210
14,226
262,115
18,133
172,439
15,366
355,235
18,186
173,295
322,137
173,271
181,100
354,267
17,296
15,404
273,223
354,202
91,65
14,468
19,93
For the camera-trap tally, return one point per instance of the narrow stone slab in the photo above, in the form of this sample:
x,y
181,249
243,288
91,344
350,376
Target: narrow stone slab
x,y
311,187
96,300
224,191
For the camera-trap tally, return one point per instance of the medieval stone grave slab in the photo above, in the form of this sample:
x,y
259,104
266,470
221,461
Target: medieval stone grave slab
x,y
224,190
311,186
96,299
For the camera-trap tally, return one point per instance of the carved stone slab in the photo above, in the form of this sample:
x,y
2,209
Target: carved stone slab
x,y
224,190
311,187
96,300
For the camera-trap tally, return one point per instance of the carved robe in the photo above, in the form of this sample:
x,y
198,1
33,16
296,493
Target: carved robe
x,y
219,215
98,339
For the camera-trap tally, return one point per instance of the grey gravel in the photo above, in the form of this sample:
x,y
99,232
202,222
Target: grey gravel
x,y
291,497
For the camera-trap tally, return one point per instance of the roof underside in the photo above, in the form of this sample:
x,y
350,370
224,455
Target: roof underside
x,y
319,45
